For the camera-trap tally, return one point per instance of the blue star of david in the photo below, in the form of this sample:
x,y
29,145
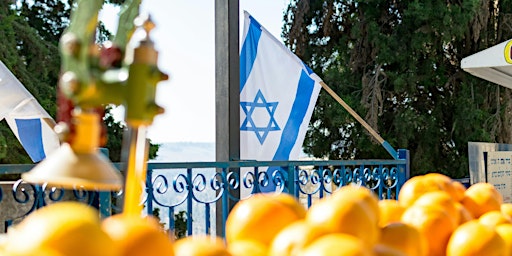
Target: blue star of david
x,y
249,124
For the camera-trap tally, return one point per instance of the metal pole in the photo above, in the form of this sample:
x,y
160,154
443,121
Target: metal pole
x,y
227,91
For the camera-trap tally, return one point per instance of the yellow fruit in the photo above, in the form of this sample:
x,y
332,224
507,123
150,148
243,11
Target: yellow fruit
x,y
415,187
494,218
389,211
442,199
345,213
505,231
384,250
475,238
68,228
292,203
336,245
247,248
404,238
260,218
481,198
464,214
459,190
200,246
136,236
359,193
434,223
294,238
506,209
454,188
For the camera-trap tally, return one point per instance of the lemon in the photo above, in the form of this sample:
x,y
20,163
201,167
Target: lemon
x,y
64,228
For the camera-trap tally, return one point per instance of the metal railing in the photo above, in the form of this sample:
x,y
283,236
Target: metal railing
x,y
204,191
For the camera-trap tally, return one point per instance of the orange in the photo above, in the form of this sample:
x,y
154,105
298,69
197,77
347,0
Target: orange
x,y
475,238
434,223
440,198
260,218
247,248
294,237
67,228
506,209
447,184
464,214
389,211
481,198
494,218
345,212
355,192
414,187
335,245
200,245
292,203
136,236
505,231
459,190
404,238
384,250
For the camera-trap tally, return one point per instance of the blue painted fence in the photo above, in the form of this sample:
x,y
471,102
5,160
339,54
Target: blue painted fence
x,y
211,187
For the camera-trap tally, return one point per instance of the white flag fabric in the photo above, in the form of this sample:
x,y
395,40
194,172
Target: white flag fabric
x,y
27,119
278,93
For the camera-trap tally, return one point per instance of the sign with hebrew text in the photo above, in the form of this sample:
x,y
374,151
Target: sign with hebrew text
x,y
499,172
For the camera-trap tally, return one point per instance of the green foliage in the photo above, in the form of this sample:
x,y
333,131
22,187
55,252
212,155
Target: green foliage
x,y
397,63
180,223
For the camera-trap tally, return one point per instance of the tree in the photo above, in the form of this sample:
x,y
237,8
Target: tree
x,y
29,37
397,63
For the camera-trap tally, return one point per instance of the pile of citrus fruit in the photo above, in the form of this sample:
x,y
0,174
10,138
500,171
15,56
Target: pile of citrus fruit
x,y
433,216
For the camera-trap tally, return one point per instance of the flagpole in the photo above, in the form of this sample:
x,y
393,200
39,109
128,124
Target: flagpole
x,y
384,143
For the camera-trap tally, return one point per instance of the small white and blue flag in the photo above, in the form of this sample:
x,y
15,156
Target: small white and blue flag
x,y
278,93
31,124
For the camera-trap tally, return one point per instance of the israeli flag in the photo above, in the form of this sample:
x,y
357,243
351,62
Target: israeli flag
x,y
31,124
278,93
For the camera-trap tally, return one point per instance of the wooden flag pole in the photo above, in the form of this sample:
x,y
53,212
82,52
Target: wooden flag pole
x,y
384,143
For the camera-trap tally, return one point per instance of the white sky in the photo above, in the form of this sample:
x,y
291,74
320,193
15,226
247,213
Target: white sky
x,y
184,36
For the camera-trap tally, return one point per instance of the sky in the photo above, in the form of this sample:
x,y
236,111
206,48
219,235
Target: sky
x,y
184,36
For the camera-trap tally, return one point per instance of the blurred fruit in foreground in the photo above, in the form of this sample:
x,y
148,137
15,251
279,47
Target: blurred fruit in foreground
x,y
506,209
337,245
434,223
346,212
294,238
505,231
384,250
464,214
414,187
200,246
66,228
441,199
475,238
405,238
389,211
261,217
481,198
136,236
247,248
494,218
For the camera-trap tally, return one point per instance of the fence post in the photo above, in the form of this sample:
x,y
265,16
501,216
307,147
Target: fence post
x,y
290,179
403,169
149,191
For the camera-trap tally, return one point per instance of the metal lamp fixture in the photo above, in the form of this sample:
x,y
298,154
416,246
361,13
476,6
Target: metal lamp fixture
x,y
78,164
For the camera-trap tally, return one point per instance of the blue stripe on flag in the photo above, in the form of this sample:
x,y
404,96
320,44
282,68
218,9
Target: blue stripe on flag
x,y
298,111
30,134
292,127
249,51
